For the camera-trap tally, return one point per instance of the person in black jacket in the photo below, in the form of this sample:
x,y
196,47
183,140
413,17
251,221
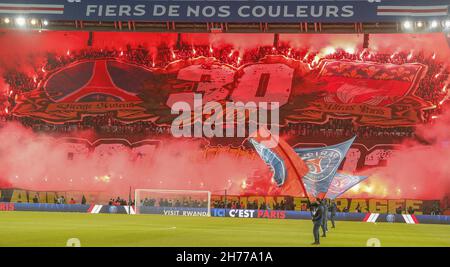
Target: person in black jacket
x,y
324,225
317,214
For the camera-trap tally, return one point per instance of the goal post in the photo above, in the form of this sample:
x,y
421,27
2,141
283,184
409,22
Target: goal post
x,y
173,202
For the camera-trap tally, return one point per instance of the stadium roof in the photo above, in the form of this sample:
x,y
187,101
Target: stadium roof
x,y
296,16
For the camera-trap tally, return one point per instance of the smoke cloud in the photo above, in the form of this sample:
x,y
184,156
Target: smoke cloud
x,y
38,162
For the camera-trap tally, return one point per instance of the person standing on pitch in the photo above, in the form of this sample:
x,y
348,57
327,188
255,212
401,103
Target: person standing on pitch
x,y
333,209
324,217
316,213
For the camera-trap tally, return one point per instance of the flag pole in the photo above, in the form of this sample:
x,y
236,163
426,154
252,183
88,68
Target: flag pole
x,y
129,202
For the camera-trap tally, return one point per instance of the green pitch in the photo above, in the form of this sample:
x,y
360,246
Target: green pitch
x,y
54,229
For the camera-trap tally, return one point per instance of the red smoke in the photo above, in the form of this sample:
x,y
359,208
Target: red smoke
x,y
38,162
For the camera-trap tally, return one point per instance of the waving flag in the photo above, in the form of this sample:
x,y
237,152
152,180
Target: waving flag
x,y
341,183
288,169
323,164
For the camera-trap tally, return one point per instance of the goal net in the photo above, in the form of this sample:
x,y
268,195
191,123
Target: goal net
x,y
173,202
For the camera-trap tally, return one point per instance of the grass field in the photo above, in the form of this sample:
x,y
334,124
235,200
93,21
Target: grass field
x,y
54,229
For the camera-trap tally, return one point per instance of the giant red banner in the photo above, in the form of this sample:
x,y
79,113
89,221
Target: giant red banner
x,y
370,93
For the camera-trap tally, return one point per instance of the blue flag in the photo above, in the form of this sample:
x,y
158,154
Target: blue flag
x,y
323,164
341,183
273,160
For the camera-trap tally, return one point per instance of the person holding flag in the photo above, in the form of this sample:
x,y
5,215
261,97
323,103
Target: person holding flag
x,y
333,209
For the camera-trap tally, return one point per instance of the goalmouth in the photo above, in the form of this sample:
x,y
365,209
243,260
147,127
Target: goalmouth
x,y
173,202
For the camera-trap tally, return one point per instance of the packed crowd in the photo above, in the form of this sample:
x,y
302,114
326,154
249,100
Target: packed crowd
x,y
431,88
345,128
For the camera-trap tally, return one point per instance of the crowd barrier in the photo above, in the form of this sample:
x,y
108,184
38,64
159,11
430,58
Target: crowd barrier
x,y
368,205
232,213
